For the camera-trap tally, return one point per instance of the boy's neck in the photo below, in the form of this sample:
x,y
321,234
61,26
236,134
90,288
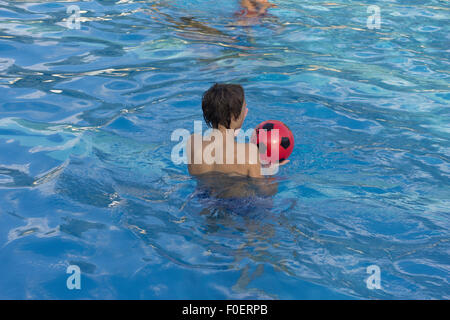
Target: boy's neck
x,y
224,130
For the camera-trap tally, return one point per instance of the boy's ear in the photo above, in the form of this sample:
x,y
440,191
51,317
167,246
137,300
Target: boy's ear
x,y
245,114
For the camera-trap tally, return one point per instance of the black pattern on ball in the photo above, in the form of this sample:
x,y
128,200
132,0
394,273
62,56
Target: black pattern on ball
x,y
268,126
285,143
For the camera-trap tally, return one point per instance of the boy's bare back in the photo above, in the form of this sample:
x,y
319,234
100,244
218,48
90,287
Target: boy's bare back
x,y
235,158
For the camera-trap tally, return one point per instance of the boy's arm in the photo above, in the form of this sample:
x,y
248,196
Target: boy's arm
x,y
252,161
194,167
266,186
189,154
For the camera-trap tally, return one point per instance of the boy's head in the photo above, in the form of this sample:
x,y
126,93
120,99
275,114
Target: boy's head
x,y
224,105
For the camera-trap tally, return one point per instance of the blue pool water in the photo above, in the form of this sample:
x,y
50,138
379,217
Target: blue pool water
x,y
86,176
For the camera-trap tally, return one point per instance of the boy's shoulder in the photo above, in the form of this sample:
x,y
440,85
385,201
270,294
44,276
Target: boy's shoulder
x,y
250,149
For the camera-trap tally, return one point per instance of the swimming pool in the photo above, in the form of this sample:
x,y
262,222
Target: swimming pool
x,y
86,176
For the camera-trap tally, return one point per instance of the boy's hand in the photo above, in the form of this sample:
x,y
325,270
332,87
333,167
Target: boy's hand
x,y
282,163
272,168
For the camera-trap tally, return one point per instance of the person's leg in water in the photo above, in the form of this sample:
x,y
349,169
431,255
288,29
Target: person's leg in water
x,y
255,8
252,10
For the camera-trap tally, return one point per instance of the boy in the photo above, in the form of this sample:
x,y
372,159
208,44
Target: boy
x,y
224,110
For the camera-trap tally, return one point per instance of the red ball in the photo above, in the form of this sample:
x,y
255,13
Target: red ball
x,y
268,142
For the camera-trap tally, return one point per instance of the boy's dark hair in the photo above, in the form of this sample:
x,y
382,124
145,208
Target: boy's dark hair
x,y
222,103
